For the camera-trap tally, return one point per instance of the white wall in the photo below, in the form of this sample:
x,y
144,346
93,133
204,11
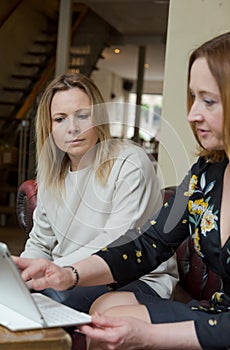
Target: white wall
x,y
190,24
109,83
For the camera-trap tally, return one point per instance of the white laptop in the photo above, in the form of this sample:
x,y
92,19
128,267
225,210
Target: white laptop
x,y
22,310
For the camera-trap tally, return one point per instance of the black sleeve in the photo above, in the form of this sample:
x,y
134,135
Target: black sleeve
x,y
214,332
141,250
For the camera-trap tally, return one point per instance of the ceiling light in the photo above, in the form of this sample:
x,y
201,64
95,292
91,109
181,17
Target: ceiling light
x,y
117,51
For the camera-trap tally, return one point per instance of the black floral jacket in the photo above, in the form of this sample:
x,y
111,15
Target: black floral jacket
x,y
194,211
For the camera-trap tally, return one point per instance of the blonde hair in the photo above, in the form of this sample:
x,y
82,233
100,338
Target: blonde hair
x,y
217,54
53,163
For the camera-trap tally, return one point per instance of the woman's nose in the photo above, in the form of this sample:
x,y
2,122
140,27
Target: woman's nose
x,y
73,126
195,113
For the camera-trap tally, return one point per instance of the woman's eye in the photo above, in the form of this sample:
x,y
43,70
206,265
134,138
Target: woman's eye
x,y
58,119
83,116
209,102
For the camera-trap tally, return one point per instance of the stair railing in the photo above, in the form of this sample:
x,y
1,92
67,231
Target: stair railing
x,y
30,100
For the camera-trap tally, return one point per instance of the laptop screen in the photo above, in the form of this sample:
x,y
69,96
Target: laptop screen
x,y
13,290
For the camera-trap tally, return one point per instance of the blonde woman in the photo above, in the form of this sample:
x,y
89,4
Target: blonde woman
x,y
91,188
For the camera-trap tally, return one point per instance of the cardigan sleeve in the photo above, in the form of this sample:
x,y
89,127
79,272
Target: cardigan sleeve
x,y
41,238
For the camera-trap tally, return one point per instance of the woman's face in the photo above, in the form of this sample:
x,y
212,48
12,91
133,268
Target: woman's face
x,y
72,126
206,113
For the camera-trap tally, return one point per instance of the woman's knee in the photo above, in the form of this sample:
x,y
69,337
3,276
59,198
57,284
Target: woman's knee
x,y
112,299
137,311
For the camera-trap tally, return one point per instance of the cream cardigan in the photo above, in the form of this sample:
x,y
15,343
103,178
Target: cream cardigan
x,y
93,215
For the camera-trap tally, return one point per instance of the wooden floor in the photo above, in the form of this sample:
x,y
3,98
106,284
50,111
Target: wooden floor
x,y
13,236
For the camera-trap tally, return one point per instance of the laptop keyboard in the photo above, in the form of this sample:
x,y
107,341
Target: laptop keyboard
x,y
55,313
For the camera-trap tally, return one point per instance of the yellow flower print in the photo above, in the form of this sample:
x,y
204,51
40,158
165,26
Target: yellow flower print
x,y
125,256
196,240
138,255
192,184
208,221
197,206
202,217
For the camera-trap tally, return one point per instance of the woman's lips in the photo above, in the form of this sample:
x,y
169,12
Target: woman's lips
x,y
75,142
202,132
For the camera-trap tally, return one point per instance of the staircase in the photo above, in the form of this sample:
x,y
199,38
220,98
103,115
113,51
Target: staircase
x,y
20,95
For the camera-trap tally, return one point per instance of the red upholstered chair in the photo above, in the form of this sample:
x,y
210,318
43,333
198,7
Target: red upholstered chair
x,y
26,203
196,280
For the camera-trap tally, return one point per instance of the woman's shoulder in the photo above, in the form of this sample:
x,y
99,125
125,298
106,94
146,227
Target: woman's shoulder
x,y
131,149
200,163
203,164
132,156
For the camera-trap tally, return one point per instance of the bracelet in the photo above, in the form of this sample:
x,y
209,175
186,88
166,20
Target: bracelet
x,y
75,274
